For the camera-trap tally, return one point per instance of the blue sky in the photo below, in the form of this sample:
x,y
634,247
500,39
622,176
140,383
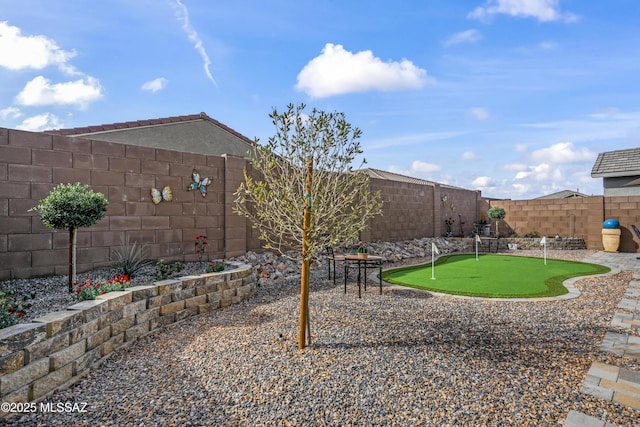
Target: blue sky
x,y
512,97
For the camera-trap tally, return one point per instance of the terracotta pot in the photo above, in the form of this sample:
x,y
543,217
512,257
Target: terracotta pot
x,y
363,255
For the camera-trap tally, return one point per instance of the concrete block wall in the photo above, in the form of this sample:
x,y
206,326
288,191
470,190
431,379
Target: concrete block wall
x,y
575,217
59,348
32,164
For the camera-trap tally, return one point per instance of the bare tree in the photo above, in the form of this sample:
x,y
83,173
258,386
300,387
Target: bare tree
x,y
308,196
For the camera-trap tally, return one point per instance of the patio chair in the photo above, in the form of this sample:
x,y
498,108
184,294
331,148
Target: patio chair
x,y
332,258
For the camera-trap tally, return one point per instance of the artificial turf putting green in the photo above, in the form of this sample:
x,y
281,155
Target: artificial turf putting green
x,y
493,276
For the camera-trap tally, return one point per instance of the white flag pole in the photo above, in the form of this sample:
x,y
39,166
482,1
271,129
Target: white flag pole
x,y
434,251
543,242
477,241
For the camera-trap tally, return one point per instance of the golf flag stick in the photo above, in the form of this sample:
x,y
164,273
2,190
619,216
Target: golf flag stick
x,y
434,251
543,242
477,241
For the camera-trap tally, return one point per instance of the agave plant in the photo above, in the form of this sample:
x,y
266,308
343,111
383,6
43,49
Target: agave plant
x,y
131,257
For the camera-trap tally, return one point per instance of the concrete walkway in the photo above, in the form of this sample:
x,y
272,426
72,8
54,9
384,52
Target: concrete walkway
x,y
610,382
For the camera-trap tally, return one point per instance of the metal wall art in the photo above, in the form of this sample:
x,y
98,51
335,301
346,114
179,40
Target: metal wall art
x,y
158,196
199,184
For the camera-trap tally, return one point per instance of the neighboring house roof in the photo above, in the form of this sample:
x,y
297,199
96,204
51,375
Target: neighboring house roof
x,y
391,176
617,164
196,133
564,194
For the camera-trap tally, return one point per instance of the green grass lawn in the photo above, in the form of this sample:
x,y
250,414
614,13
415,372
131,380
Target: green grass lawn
x,y
493,276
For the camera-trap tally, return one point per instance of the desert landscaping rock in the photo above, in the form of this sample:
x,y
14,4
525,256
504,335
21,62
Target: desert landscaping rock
x,y
401,358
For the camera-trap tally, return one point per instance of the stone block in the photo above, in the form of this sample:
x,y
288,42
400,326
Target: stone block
x,y
84,331
85,361
145,316
205,289
122,325
19,396
111,344
166,287
233,284
139,293
195,301
109,318
213,279
225,302
229,293
191,281
136,331
210,306
116,300
133,308
98,338
91,309
24,376
214,296
187,312
44,348
183,294
12,362
161,321
60,321
171,308
52,381
160,300
67,355
17,337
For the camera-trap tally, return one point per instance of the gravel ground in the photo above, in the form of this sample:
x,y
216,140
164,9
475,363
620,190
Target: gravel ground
x,y
402,358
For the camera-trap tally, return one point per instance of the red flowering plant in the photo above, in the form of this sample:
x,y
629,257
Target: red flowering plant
x,y
90,289
12,308
201,246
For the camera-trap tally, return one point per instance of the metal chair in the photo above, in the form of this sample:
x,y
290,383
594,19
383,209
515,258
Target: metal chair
x,y
332,258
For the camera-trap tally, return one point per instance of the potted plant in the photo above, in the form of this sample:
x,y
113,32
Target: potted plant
x,y
496,214
363,250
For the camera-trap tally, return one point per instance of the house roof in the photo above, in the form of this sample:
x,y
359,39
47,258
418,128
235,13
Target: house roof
x,y
391,176
564,194
617,164
195,133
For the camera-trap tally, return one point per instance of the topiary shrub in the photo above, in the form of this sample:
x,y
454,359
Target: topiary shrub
x,y
68,207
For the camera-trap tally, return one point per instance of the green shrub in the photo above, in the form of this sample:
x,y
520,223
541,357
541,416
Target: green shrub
x,y
131,257
214,267
164,271
532,235
12,308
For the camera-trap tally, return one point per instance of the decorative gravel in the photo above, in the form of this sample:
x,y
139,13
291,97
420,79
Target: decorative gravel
x,y
402,358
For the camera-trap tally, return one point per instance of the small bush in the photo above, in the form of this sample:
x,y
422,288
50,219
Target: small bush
x,y
12,308
164,271
532,235
131,257
90,289
215,267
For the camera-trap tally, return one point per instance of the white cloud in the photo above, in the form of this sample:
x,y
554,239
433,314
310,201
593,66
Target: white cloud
x,y
40,91
483,182
40,122
10,113
542,10
155,85
424,168
18,52
563,152
516,167
468,36
337,71
469,155
192,34
479,113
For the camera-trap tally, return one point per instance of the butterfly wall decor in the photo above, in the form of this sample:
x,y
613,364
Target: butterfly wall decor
x,y
199,184
159,195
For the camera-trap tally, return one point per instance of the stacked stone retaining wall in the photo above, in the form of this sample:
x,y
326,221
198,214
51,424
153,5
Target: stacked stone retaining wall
x,y
57,349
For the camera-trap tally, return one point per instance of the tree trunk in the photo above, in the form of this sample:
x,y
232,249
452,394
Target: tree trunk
x,y
73,233
304,339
